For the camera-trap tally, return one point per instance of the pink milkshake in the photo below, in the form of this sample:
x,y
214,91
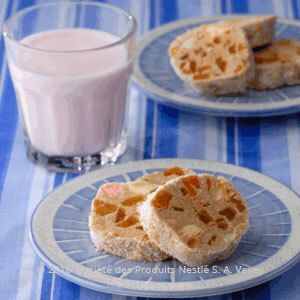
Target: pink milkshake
x,y
72,103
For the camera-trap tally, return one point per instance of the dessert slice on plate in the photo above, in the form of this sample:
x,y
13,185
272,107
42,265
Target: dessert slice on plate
x,y
114,222
199,219
213,59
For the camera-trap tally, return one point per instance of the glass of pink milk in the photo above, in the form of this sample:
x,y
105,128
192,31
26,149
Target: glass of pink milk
x,y
70,63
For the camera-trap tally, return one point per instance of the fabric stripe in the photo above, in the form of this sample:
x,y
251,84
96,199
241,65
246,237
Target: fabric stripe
x,y
189,9
191,128
293,142
8,113
38,189
13,207
64,289
165,126
153,21
249,143
231,141
149,129
295,8
238,6
274,144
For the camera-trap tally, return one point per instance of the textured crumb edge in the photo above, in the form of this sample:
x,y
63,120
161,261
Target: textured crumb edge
x,y
222,85
271,76
167,240
126,247
261,36
259,30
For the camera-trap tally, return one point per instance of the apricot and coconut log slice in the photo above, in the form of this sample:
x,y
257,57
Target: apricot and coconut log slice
x,y
199,219
277,65
213,59
114,222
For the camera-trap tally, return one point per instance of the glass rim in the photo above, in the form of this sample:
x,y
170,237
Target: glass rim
x,y
26,10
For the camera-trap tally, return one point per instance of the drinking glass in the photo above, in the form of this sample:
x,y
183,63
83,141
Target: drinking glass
x,y
70,63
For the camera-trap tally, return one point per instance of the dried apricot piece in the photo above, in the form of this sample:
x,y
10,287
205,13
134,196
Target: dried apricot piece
x,y
191,242
203,68
130,221
221,63
217,39
192,66
120,216
228,212
208,183
195,181
133,200
184,56
162,199
238,69
241,46
183,191
212,239
221,223
230,192
104,208
173,171
177,208
145,237
232,49
186,182
182,65
174,50
204,216
238,203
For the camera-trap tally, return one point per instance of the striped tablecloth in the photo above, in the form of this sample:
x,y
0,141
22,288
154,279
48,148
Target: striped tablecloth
x,y
268,145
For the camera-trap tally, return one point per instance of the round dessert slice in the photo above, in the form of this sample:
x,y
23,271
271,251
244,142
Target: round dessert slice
x,y
199,219
213,59
114,222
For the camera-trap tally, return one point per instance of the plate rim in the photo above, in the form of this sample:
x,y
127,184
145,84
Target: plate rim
x,y
96,285
141,82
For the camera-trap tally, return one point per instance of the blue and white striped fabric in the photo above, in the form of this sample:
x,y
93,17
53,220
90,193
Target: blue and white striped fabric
x,y
269,145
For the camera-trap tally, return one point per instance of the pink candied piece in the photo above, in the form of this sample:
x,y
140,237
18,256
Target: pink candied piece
x,y
113,190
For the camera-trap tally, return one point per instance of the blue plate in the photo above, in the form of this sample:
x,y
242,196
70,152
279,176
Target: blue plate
x,y
60,237
155,75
